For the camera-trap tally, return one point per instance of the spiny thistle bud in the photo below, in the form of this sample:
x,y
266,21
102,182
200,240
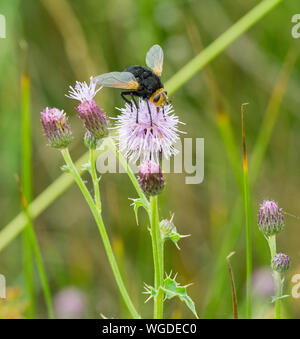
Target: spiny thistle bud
x,y
168,231
94,119
56,128
280,262
270,218
150,178
167,228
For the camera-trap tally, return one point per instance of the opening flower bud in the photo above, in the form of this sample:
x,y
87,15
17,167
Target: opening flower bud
x,y
56,127
150,178
94,119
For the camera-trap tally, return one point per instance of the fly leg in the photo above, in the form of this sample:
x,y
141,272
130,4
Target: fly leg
x,y
163,108
130,102
136,106
149,113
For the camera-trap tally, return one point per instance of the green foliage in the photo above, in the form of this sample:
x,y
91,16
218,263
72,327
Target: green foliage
x,y
172,289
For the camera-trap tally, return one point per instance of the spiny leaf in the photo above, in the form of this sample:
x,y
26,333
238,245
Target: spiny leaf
x,y
137,203
173,289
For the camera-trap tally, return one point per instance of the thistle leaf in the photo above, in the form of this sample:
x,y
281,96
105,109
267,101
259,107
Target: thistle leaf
x,y
137,203
173,289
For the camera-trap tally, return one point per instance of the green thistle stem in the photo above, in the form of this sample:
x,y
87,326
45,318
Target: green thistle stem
x,y
276,276
157,246
98,218
95,180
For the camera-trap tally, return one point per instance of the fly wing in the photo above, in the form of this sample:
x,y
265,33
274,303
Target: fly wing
x,y
124,80
155,59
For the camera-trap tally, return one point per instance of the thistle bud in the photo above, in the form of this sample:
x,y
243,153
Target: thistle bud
x,y
167,228
90,141
94,119
270,218
280,262
56,127
150,178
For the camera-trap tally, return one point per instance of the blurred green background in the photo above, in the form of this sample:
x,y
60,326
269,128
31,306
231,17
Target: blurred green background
x,y
73,40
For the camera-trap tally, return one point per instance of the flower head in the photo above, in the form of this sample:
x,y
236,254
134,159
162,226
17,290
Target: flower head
x,y
143,140
94,119
150,178
56,127
70,302
280,262
270,218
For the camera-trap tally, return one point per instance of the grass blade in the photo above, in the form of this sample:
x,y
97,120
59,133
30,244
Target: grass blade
x,y
233,290
27,182
247,220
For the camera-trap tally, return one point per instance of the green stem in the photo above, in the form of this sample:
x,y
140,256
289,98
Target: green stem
x,y
248,245
27,191
247,219
95,180
129,171
41,269
157,246
276,275
98,218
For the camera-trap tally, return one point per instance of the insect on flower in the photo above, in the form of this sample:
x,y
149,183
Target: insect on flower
x,y
140,81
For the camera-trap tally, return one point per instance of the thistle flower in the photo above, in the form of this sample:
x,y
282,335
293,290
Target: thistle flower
x,y
94,119
270,218
56,127
150,178
141,140
280,262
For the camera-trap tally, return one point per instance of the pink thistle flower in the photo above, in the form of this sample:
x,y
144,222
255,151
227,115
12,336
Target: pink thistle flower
x,y
94,119
56,127
141,140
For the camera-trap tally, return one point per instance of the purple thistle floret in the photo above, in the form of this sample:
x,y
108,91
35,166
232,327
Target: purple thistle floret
x,y
270,218
56,128
94,119
280,262
150,178
143,141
